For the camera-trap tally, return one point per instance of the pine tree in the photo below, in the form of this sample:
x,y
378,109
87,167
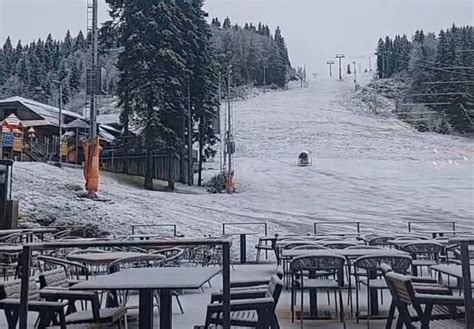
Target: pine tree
x,y
80,41
381,59
227,23
75,77
216,22
67,44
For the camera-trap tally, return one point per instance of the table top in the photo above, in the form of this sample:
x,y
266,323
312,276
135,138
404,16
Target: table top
x,y
28,230
454,270
243,233
402,242
102,258
151,278
343,252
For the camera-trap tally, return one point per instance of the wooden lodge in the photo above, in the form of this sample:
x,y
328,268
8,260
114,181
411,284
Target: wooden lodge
x,y
30,131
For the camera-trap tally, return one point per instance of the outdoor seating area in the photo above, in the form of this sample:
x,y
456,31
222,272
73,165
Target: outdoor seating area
x,y
155,277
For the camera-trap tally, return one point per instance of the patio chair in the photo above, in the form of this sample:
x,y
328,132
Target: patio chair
x,y
9,265
267,244
74,271
312,265
54,287
371,264
172,256
10,303
251,309
253,284
405,296
12,238
424,254
422,285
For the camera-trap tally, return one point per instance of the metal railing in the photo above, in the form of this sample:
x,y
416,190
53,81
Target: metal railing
x,y
29,248
432,222
315,224
264,224
175,233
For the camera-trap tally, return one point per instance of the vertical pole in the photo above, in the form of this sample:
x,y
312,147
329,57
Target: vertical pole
x,y
264,78
229,134
330,70
467,287
190,138
340,72
93,110
370,64
221,153
60,120
225,284
25,281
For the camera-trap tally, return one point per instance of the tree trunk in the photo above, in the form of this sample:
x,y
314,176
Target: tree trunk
x,y
201,157
125,133
171,165
148,184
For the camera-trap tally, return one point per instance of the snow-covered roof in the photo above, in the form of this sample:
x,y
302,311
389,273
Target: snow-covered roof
x,y
78,123
48,112
109,118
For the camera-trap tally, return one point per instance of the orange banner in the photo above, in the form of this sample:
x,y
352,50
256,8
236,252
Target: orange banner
x,y
91,166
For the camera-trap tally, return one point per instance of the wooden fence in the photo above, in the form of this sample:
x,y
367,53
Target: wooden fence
x,y
165,167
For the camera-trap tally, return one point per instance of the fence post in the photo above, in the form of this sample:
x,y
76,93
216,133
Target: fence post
x,y
25,281
466,273
225,284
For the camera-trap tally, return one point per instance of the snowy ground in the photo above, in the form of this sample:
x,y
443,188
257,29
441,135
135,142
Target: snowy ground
x,y
365,168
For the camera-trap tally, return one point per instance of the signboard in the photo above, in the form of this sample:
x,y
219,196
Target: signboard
x,y
7,140
18,142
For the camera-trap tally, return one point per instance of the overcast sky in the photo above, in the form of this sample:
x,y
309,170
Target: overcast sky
x,y
315,30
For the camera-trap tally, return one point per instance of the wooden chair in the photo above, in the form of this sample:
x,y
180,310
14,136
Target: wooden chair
x,y
252,309
405,295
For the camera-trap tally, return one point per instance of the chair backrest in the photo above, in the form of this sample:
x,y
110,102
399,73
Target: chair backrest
x,y
363,247
87,251
400,287
317,263
310,247
274,288
425,249
379,240
292,245
145,260
340,245
172,256
54,278
72,270
399,263
12,290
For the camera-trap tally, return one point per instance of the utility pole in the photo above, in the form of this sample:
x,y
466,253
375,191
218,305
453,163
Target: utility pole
x,y
190,139
264,78
330,63
370,64
340,57
60,119
93,99
229,133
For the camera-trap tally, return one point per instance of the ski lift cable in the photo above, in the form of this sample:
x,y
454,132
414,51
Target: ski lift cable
x,y
442,66
429,67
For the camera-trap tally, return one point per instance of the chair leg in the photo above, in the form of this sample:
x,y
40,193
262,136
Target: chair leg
x,y
341,302
179,304
391,316
357,301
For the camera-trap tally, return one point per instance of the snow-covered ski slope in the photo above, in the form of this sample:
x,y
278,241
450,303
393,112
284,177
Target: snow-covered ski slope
x,y
365,168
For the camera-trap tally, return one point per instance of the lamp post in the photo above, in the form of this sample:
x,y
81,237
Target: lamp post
x,y
60,106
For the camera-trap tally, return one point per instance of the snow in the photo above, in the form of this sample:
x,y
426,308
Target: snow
x,y
366,168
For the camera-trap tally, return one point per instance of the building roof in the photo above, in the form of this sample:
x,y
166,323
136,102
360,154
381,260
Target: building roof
x,y
48,112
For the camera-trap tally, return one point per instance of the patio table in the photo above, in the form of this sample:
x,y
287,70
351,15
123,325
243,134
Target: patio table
x,y
398,243
101,258
453,270
146,280
243,244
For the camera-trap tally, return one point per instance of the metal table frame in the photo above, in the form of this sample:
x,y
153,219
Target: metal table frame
x,y
243,237
29,248
155,225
